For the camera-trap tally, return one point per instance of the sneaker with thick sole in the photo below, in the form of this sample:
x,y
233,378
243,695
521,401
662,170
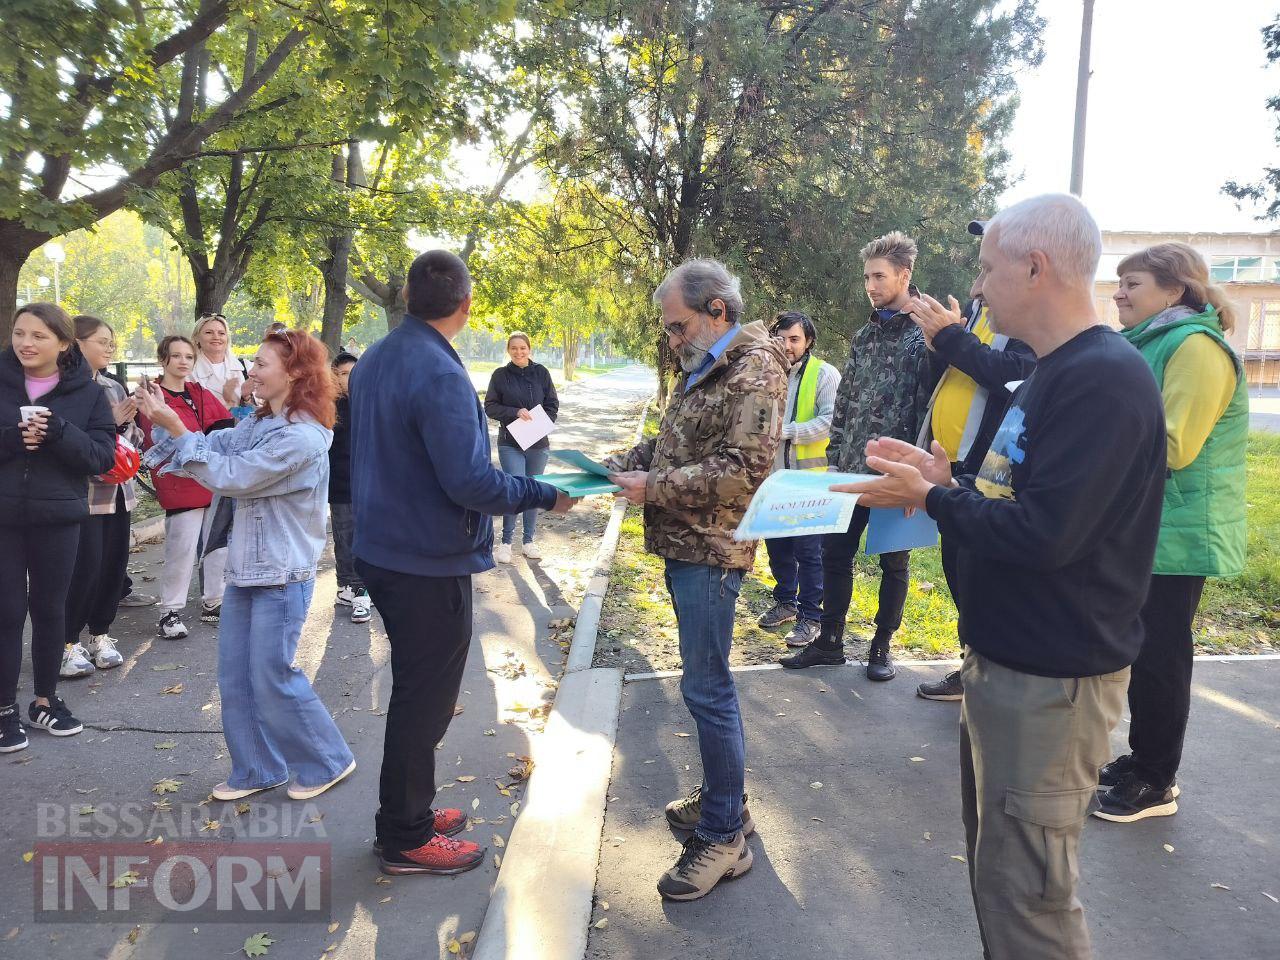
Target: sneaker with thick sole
x,y
75,662
803,633
345,596
12,735
950,687
1119,768
1134,799
702,864
777,615
684,814
299,792
502,553
439,856
361,608
133,599
879,667
445,823
54,718
210,612
171,627
102,651
814,656
224,791
532,552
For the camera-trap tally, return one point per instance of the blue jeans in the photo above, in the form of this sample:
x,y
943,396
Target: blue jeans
x,y
272,719
796,563
704,598
521,463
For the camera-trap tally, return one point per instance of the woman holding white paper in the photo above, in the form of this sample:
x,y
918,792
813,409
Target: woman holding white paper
x,y
515,391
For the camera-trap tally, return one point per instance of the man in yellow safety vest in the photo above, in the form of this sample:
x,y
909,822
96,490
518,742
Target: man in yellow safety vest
x,y
796,562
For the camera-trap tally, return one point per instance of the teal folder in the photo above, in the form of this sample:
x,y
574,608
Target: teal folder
x,y
579,484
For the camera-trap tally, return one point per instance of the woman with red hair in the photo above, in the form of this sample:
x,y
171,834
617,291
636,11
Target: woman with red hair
x,y
275,465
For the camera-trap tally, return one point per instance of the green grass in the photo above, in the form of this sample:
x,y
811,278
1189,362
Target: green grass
x,y
637,628
147,507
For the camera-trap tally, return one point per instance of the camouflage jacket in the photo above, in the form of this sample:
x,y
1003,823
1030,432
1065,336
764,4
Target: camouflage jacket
x,y
884,390
715,446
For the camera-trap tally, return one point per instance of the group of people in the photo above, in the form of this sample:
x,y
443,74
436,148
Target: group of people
x,y
1085,482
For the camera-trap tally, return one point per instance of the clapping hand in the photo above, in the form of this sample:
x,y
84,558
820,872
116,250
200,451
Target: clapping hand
x,y
931,316
909,474
231,391
124,411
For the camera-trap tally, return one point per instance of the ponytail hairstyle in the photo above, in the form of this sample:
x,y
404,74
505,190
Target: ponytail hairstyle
x,y
313,389
1178,265
60,325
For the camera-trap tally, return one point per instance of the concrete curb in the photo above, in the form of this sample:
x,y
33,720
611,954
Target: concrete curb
x,y
542,901
146,531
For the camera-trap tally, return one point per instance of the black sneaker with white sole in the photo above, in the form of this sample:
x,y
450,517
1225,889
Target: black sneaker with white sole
x,y
1120,768
1134,799
171,626
54,718
210,612
12,736
950,687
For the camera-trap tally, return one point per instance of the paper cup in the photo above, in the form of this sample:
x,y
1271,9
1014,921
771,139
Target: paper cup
x,y
28,412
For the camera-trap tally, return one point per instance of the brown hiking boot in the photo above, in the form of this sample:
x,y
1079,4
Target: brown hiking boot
x,y
702,864
684,814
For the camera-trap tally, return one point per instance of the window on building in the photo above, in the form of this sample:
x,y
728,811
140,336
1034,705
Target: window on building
x,y
1235,269
1264,325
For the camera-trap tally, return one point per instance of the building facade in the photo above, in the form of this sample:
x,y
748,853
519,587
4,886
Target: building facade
x,y
1246,264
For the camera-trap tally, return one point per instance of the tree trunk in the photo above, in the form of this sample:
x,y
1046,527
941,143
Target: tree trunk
x,y
334,268
16,247
570,339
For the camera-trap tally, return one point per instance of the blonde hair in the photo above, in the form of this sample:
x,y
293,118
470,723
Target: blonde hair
x,y
204,322
896,247
519,335
1178,265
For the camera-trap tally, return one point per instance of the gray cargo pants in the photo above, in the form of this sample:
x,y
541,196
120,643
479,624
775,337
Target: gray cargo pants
x,y
1030,749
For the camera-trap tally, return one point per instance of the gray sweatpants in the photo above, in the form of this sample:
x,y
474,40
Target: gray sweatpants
x,y
1030,749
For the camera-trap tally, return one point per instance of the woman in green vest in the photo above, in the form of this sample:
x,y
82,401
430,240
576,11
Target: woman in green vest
x,y
1178,320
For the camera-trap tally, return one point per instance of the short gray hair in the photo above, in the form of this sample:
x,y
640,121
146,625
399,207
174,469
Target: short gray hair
x,y
701,281
1058,225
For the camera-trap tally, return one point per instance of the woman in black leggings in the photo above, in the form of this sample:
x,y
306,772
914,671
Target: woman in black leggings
x,y
56,430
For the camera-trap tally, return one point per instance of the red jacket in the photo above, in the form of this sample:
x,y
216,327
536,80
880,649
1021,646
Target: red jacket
x,y
183,493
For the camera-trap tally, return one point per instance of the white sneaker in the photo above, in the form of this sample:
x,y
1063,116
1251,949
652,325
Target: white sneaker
x,y
171,626
75,662
345,597
532,552
298,792
361,607
502,553
102,649
224,791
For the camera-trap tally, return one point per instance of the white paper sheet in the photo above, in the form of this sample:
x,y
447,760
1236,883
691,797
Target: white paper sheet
x,y
528,432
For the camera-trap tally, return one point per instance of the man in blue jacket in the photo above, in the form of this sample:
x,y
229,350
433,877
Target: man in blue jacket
x,y
423,491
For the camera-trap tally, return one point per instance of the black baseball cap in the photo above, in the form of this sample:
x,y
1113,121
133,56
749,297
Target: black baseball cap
x,y
978,227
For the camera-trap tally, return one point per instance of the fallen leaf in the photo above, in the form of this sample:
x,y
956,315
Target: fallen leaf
x,y
86,792
917,759
385,900
257,945
515,809
455,947
126,879
817,820
1168,848
498,841
154,841
684,734
133,934
604,904
1270,897
475,804
466,779
333,927
467,937
28,856
315,818
243,807
382,881
166,786
457,711
956,856
817,784
166,666
176,688
210,825
491,733
166,744
599,924
497,860
1219,886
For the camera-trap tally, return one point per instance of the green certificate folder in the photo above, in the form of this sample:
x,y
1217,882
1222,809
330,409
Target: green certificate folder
x,y
579,484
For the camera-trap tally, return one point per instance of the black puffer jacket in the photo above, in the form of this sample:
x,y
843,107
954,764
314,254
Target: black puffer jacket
x,y
512,389
51,484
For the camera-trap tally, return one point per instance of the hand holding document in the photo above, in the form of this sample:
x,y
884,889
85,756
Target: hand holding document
x,y
528,432
591,478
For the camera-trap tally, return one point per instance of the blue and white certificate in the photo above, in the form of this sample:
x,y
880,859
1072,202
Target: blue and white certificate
x,y
798,503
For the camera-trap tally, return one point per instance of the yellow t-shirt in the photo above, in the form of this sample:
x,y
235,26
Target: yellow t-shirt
x,y
955,397
1199,382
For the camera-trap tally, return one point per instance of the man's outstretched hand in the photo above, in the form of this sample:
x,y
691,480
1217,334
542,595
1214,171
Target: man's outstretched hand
x,y
633,484
909,474
564,502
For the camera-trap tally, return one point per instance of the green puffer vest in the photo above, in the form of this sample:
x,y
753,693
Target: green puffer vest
x,y
1202,528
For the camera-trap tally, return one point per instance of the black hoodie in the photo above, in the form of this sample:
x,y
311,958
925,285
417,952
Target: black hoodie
x,y
512,389
50,485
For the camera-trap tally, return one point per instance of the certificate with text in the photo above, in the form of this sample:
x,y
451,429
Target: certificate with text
x,y
799,503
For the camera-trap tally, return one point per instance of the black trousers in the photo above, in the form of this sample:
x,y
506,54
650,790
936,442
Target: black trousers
x,y
428,621
838,551
97,584
1160,682
35,571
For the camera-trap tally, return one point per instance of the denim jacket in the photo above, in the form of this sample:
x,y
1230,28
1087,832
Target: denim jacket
x,y
278,474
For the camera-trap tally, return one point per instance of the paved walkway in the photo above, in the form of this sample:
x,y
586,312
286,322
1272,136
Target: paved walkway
x,y
139,734
1264,409
855,855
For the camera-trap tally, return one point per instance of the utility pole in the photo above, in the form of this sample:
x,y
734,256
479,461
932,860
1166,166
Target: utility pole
x,y
1082,100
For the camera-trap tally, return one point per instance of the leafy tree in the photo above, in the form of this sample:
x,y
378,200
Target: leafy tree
x,y
1266,190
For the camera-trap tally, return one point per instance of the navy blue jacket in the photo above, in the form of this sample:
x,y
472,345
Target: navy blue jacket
x,y
423,488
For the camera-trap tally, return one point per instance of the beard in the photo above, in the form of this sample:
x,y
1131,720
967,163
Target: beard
x,y
691,357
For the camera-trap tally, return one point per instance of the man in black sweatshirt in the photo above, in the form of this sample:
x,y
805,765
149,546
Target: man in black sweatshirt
x,y
1056,535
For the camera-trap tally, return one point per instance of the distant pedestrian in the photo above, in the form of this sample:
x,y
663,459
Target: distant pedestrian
x,y
796,562
423,490
351,591
185,501
56,430
716,445
1179,321
514,390
275,466
102,557
1056,535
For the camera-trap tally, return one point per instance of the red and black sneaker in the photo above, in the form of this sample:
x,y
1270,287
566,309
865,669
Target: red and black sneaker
x,y
446,822
439,855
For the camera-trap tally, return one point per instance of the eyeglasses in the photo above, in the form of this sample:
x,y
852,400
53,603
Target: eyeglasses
x,y
105,344
677,329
